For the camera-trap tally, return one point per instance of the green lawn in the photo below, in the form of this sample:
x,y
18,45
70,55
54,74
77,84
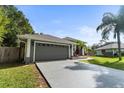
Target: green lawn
x,y
18,76
108,62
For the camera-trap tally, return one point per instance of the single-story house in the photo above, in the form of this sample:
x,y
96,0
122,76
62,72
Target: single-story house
x,y
109,49
78,50
43,47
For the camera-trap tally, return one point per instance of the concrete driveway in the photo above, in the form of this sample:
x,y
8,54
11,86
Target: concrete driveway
x,y
73,74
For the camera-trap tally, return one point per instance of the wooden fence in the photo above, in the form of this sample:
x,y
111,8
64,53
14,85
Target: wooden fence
x,y
9,54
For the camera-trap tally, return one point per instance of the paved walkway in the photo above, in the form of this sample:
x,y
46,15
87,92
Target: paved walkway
x,y
73,74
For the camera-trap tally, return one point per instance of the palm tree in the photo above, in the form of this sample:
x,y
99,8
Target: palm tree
x,y
81,44
112,23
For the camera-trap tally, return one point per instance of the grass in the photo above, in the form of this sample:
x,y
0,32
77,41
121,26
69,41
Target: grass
x,y
20,76
107,61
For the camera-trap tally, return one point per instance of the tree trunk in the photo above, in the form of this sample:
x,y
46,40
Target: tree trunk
x,y
119,45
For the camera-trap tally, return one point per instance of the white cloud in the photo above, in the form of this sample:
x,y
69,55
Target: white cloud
x,y
90,35
84,33
85,30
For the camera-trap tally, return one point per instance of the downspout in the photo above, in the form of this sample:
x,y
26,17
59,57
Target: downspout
x,y
34,51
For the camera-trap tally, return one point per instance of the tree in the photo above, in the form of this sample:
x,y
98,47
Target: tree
x,y
113,23
3,22
12,22
94,46
90,51
81,44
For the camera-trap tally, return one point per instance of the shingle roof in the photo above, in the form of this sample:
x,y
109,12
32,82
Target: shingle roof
x,y
110,46
70,39
45,37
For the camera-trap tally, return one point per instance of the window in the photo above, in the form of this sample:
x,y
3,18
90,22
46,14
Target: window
x,y
122,49
39,44
43,44
108,50
32,43
48,45
51,44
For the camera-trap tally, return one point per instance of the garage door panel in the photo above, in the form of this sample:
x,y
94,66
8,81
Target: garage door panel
x,y
51,52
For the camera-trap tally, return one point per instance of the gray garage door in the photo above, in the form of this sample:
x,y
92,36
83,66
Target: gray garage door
x,y
46,52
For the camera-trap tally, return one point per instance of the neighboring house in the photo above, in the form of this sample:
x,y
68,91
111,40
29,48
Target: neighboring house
x,y
46,47
77,49
109,49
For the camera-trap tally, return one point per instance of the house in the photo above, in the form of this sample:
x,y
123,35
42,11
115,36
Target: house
x,y
45,47
109,49
77,50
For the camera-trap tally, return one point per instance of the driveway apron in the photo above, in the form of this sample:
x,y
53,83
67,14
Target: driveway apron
x,y
75,74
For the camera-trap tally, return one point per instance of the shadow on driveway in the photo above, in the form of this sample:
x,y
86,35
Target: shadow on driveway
x,y
105,77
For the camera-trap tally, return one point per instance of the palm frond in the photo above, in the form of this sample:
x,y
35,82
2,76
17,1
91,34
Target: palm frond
x,y
100,27
106,31
109,14
105,34
107,20
114,35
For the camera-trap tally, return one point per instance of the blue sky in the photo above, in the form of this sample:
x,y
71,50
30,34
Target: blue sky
x,y
74,21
